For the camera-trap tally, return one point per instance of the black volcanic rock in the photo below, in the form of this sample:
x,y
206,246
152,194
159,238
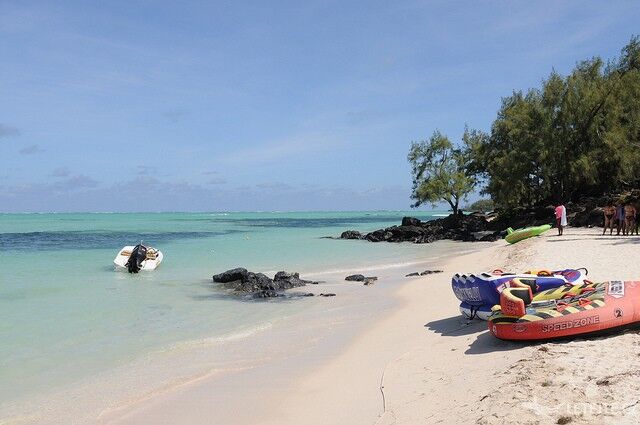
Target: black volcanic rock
x,y
231,275
518,217
351,234
484,235
472,227
366,280
259,285
587,211
253,283
411,221
426,272
286,280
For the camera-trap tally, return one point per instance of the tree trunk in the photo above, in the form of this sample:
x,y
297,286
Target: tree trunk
x,y
454,206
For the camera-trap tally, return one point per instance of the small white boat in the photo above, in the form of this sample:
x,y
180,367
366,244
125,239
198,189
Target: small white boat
x,y
136,258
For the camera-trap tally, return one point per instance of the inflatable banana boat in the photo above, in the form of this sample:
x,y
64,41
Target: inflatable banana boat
x,y
584,309
478,293
514,236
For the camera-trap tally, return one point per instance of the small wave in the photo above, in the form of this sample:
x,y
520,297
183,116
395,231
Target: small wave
x,y
216,340
387,266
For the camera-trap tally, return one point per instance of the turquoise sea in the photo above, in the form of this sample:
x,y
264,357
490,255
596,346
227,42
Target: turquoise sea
x,y
65,314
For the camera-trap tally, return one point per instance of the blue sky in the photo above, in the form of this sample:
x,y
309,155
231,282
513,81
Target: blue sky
x,y
152,106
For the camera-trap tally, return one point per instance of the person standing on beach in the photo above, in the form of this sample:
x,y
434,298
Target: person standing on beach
x,y
629,219
620,219
609,218
561,218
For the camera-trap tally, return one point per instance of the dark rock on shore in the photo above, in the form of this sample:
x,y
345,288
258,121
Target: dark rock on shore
x,y
289,280
484,236
411,221
231,275
351,234
366,280
472,227
587,211
259,285
327,295
424,273
524,217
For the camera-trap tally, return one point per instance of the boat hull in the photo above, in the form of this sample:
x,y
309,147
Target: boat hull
x,y
149,264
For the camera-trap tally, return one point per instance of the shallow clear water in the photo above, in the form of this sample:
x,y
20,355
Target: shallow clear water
x,y
66,314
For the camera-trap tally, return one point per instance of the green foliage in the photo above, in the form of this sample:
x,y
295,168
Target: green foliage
x,y
441,171
575,135
481,205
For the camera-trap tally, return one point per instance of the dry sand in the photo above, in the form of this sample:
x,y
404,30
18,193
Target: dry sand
x,y
584,381
422,363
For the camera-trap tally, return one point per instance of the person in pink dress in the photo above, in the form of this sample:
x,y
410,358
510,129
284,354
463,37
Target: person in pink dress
x,y
561,218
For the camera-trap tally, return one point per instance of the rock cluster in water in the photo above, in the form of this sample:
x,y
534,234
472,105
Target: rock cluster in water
x,y
366,280
473,227
259,285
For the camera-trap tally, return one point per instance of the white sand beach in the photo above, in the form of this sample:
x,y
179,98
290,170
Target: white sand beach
x,y
421,362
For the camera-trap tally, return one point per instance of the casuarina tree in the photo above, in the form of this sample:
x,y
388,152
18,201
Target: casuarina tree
x,y
440,171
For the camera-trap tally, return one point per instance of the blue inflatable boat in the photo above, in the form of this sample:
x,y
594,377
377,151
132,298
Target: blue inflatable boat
x,y
478,293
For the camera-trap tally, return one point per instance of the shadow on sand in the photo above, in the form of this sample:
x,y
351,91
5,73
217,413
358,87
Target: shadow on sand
x,y
583,238
485,342
613,240
625,240
456,326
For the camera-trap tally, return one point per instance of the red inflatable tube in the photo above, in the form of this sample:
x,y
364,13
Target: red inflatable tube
x,y
619,307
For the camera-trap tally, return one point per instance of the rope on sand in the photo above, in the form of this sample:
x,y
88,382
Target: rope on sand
x,y
381,386
384,401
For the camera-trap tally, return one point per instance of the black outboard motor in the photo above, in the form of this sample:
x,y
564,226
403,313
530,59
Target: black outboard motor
x,y
138,255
